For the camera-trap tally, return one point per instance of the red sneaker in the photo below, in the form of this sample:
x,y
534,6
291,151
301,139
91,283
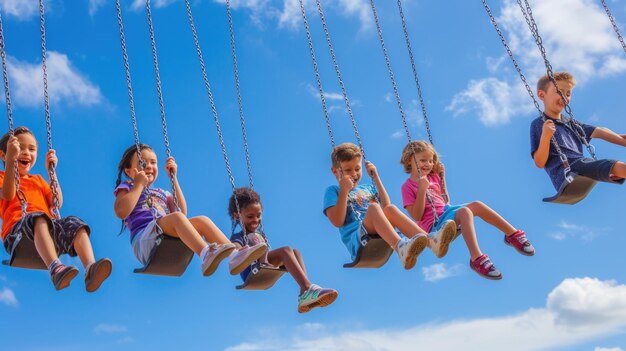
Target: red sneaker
x,y
483,266
519,241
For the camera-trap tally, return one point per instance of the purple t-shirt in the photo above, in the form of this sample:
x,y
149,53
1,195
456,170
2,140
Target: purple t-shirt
x,y
143,213
409,193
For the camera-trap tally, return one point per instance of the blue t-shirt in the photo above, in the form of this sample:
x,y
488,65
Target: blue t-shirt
x,y
359,200
567,138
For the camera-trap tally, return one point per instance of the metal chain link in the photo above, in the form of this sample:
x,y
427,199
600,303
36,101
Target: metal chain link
x,y
51,168
429,197
207,85
7,95
614,24
239,99
166,141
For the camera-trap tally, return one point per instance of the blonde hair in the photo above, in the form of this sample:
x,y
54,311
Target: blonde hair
x,y
417,147
344,152
544,82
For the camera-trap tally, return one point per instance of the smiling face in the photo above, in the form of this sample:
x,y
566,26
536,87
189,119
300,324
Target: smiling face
x,y
151,169
552,101
251,216
352,168
425,163
27,156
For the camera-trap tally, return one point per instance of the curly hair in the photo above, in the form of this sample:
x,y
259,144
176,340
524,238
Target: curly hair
x,y
245,196
417,147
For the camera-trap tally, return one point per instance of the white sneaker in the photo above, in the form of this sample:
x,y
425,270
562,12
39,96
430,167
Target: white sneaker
x,y
440,241
215,255
244,257
409,249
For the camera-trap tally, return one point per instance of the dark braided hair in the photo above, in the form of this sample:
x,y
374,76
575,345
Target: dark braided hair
x,y
126,160
245,196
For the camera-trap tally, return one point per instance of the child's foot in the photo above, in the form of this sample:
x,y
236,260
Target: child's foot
x,y
483,266
97,273
519,241
409,249
62,276
244,257
316,296
440,241
216,254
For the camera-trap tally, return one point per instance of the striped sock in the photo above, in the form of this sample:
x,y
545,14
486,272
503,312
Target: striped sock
x,y
55,266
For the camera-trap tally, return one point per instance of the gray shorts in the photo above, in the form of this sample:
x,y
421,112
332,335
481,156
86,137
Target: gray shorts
x,y
147,241
63,231
595,169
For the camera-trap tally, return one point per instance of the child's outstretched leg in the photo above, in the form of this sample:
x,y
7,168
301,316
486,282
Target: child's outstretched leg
x,y
176,224
512,236
60,274
221,247
95,271
375,221
479,262
619,170
438,242
311,295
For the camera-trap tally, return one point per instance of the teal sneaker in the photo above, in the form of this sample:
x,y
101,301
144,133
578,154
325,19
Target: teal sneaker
x,y
316,296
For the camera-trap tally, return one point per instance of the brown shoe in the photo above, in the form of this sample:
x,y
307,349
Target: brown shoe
x,y
97,273
62,276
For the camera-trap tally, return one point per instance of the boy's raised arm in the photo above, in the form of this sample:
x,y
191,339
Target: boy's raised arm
x,y
609,135
543,150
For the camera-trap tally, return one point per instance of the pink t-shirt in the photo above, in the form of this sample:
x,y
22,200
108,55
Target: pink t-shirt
x,y
409,193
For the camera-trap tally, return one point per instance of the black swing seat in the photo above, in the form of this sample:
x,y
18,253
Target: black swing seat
x,y
571,193
170,258
374,252
262,277
24,255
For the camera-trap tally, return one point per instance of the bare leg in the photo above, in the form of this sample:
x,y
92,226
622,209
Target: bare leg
x,y
177,225
401,221
208,230
492,217
300,261
43,241
376,222
285,256
465,218
619,169
83,248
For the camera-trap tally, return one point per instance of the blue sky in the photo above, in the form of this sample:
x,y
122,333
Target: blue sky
x,y
570,296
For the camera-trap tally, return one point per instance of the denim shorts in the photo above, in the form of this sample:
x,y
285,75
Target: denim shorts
x,y
449,213
63,231
146,241
595,169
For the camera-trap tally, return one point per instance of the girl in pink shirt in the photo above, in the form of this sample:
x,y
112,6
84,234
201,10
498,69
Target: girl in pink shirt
x,y
423,194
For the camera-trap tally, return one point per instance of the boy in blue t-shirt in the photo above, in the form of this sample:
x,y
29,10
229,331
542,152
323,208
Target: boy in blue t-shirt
x,y
352,207
568,136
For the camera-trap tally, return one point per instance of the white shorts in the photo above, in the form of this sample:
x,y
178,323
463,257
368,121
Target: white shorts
x,y
147,241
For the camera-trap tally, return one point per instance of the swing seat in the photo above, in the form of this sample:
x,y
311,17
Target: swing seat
x,y
170,258
25,255
374,252
262,277
571,193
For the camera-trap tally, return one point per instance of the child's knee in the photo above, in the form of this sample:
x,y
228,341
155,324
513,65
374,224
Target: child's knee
x,y
389,209
464,213
374,207
201,219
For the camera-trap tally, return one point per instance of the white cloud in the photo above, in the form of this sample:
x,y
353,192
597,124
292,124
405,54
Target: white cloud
x,y
585,233
440,271
397,135
140,4
104,328
608,349
578,37
8,297
65,83
577,311
291,17
95,5
21,9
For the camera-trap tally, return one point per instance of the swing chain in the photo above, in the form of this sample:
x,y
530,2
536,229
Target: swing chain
x,y
157,75
54,183
614,24
239,99
7,95
317,75
214,111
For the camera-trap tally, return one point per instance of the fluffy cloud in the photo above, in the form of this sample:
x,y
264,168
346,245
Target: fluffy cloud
x,y
104,328
8,297
577,311
95,5
577,36
20,9
567,229
65,83
440,271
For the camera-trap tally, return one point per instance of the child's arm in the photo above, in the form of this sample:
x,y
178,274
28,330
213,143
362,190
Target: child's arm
x,y
609,135
51,158
337,213
543,151
416,211
8,184
125,201
382,193
172,168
